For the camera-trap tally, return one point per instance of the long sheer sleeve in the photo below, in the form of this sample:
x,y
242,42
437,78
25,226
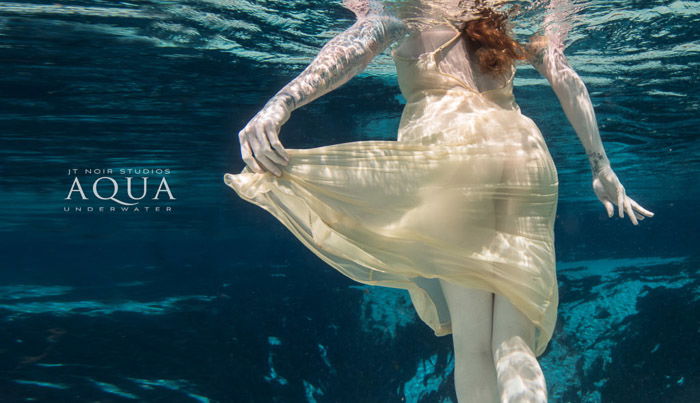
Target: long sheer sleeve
x,y
343,57
549,59
338,61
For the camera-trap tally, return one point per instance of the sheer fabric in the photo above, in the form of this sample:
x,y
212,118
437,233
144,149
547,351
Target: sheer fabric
x,y
452,56
467,193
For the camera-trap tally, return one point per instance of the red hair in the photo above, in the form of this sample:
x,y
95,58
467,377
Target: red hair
x,y
496,51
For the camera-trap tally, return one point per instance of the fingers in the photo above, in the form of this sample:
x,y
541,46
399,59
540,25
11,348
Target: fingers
x,y
641,209
609,207
620,201
268,164
277,146
259,155
606,186
635,216
630,213
247,155
270,154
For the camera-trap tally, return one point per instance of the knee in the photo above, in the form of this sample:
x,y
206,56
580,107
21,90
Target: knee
x,y
519,375
515,347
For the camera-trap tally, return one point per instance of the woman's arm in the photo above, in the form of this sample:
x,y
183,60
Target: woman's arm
x,y
549,60
344,56
546,54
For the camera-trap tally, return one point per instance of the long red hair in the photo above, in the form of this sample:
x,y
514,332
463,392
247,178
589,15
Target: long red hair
x,y
496,50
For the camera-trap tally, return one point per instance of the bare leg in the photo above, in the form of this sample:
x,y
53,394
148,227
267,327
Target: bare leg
x,y
520,378
471,313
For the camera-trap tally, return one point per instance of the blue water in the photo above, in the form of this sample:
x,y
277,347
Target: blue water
x,y
215,301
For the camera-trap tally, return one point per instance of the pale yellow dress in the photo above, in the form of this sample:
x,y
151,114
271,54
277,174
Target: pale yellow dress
x,y
467,193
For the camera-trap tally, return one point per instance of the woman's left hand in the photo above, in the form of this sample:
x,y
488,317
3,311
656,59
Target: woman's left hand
x,y
610,191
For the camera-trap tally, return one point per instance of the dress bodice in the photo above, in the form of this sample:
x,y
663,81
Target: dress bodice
x,y
421,75
442,107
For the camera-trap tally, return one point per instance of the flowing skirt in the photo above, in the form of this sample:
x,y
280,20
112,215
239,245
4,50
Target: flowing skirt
x,y
403,215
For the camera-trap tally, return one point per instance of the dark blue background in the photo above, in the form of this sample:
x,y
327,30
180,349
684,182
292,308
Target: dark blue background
x,y
217,301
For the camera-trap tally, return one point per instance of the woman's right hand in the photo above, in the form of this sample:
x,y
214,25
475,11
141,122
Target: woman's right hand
x,y
261,148
610,191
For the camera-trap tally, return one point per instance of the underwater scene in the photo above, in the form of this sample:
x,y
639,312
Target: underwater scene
x,y
115,288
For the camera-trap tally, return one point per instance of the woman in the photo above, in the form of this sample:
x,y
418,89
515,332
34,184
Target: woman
x,y
459,210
